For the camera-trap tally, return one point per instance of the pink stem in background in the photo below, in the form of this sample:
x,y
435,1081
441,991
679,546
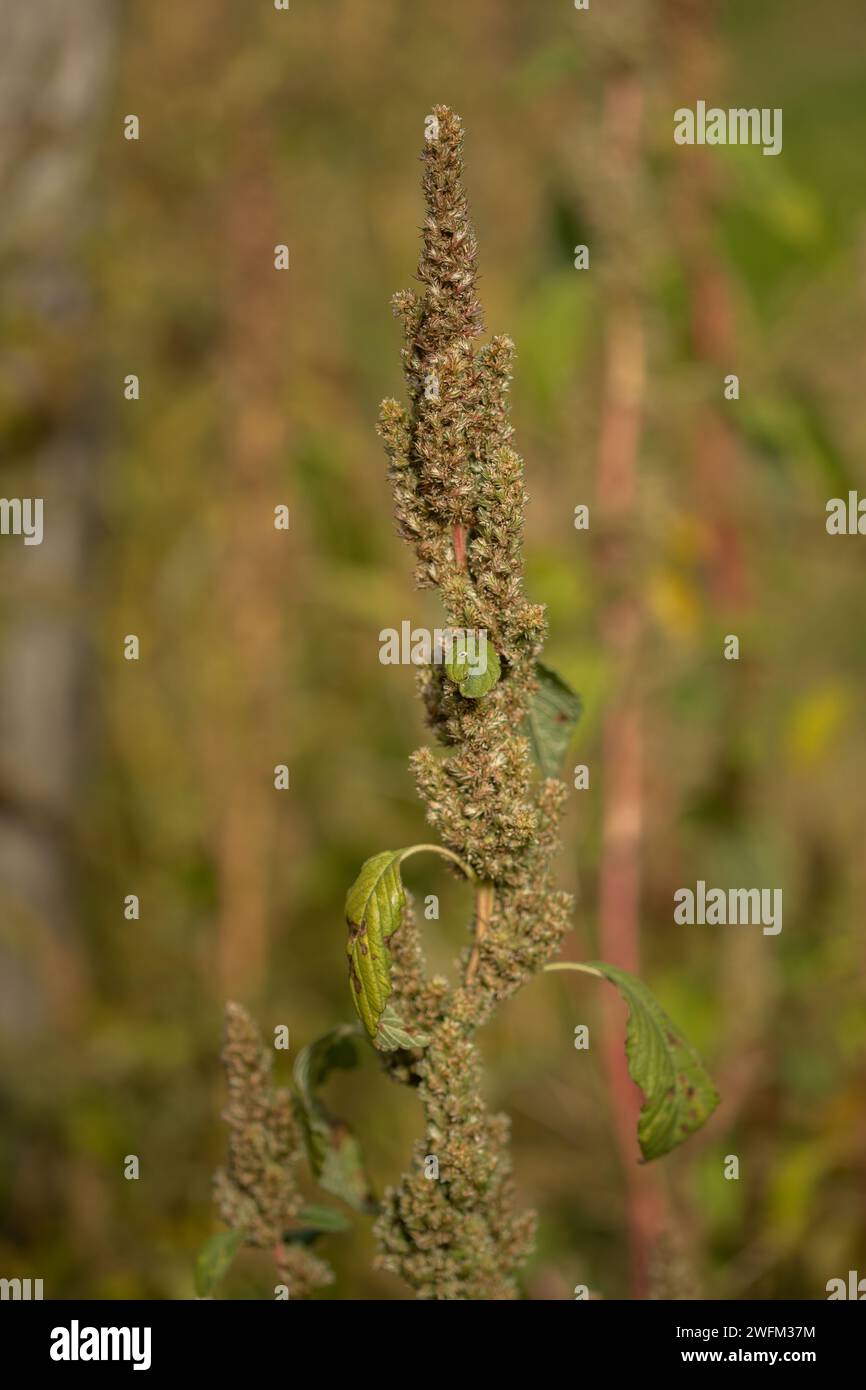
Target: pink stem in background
x,y
619,873
713,447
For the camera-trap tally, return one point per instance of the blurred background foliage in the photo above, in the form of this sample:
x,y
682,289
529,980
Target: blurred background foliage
x,y
257,647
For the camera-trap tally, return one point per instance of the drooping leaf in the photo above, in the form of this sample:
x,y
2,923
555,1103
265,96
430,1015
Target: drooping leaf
x,y
678,1094
333,1150
471,682
332,1051
343,1171
374,910
551,719
215,1259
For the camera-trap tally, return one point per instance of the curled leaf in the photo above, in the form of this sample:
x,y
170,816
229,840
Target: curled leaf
x,y
374,909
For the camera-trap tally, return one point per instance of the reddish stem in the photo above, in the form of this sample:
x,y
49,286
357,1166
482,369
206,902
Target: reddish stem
x,y
459,538
616,495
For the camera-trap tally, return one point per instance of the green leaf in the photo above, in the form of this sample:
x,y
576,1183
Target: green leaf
x,y
314,1064
393,1033
374,910
333,1150
473,684
551,719
321,1219
214,1260
678,1094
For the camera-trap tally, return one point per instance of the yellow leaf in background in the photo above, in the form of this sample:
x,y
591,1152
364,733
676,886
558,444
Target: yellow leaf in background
x,y
815,721
674,604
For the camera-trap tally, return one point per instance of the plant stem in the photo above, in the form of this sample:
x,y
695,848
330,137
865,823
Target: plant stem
x,y
459,538
439,849
484,900
574,965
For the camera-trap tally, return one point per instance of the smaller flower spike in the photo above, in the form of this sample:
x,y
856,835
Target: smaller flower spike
x,y
256,1191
